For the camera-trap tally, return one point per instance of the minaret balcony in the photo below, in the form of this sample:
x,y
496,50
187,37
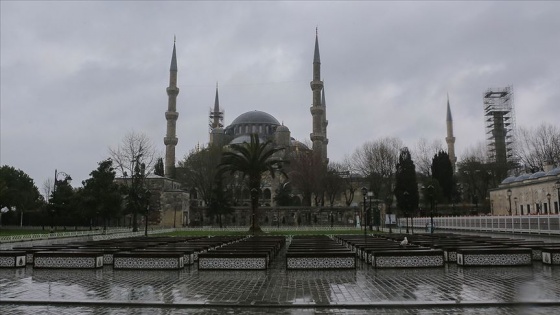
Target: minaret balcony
x,y
317,110
170,140
317,137
171,115
172,90
316,85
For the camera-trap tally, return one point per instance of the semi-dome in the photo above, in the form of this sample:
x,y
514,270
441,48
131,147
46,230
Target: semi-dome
x,y
255,117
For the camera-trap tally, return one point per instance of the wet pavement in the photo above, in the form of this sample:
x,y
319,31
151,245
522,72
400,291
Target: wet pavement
x,y
449,290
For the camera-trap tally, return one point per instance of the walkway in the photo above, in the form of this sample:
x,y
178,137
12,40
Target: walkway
x,y
450,290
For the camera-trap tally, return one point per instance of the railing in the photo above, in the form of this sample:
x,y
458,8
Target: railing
x,y
536,224
54,235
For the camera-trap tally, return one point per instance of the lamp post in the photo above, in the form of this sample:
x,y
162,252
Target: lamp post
x,y
254,195
515,200
405,195
509,198
557,185
549,210
430,189
67,179
364,213
370,197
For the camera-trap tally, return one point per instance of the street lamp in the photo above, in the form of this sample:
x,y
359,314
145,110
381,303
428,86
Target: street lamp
x,y
370,197
515,200
67,179
254,194
430,189
405,195
509,198
549,210
364,213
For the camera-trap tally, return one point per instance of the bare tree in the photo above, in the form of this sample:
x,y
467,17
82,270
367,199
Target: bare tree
x,y
47,188
423,153
134,160
536,147
135,149
376,161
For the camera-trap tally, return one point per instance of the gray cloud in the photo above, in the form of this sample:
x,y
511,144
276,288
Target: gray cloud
x,y
77,76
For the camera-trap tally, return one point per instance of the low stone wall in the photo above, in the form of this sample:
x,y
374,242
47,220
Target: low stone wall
x,y
494,257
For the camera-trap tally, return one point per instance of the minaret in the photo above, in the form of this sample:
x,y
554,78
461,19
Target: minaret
x,y
317,109
216,122
325,123
450,139
171,115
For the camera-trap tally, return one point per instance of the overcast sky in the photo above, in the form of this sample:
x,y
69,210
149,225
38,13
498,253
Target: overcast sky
x,y
77,76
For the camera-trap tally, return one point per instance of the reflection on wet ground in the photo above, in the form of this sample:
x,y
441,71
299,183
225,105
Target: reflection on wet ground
x,y
448,290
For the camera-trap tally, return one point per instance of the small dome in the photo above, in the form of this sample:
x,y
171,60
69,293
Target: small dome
x,y
299,145
553,172
255,117
244,139
218,130
537,175
282,128
508,180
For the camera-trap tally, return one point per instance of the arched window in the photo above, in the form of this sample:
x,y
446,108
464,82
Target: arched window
x,y
267,194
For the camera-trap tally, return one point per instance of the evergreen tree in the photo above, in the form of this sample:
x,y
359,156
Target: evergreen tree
x,y
158,167
442,171
406,186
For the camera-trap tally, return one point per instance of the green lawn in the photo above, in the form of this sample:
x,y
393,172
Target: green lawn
x,y
10,232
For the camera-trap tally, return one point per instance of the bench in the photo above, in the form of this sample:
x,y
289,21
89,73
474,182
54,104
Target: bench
x,y
219,260
408,258
68,259
320,260
12,259
551,255
156,260
494,256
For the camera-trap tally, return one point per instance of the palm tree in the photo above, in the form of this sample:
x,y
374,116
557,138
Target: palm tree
x,y
252,160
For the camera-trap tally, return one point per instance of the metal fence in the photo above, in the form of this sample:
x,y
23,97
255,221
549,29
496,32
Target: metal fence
x,y
535,224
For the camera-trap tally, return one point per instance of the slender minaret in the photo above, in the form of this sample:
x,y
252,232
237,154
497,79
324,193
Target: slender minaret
x,y
450,139
171,115
325,123
216,122
317,109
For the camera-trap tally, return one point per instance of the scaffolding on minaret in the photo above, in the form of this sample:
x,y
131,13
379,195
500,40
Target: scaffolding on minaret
x,y
499,118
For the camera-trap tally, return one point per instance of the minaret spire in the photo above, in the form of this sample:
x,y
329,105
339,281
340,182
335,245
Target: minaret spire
x,y
216,122
170,140
450,139
318,136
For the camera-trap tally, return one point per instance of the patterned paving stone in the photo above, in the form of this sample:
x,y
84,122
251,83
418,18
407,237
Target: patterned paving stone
x,y
448,290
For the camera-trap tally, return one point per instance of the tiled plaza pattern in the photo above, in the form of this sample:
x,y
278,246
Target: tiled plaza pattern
x,y
447,290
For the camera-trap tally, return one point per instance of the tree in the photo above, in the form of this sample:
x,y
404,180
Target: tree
x,y
17,190
334,181
61,200
220,201
376,162
199,169
252,160
135,156
283,196
158,167
442,171
537,147
101,195
307,171
423,153
406,187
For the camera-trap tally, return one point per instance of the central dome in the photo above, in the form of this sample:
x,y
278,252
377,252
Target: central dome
x,y
255,117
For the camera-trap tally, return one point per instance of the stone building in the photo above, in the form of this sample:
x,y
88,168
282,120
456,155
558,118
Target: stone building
x,y
537,193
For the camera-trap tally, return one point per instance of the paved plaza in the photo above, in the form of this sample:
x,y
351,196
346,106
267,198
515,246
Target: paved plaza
x,y
449,290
